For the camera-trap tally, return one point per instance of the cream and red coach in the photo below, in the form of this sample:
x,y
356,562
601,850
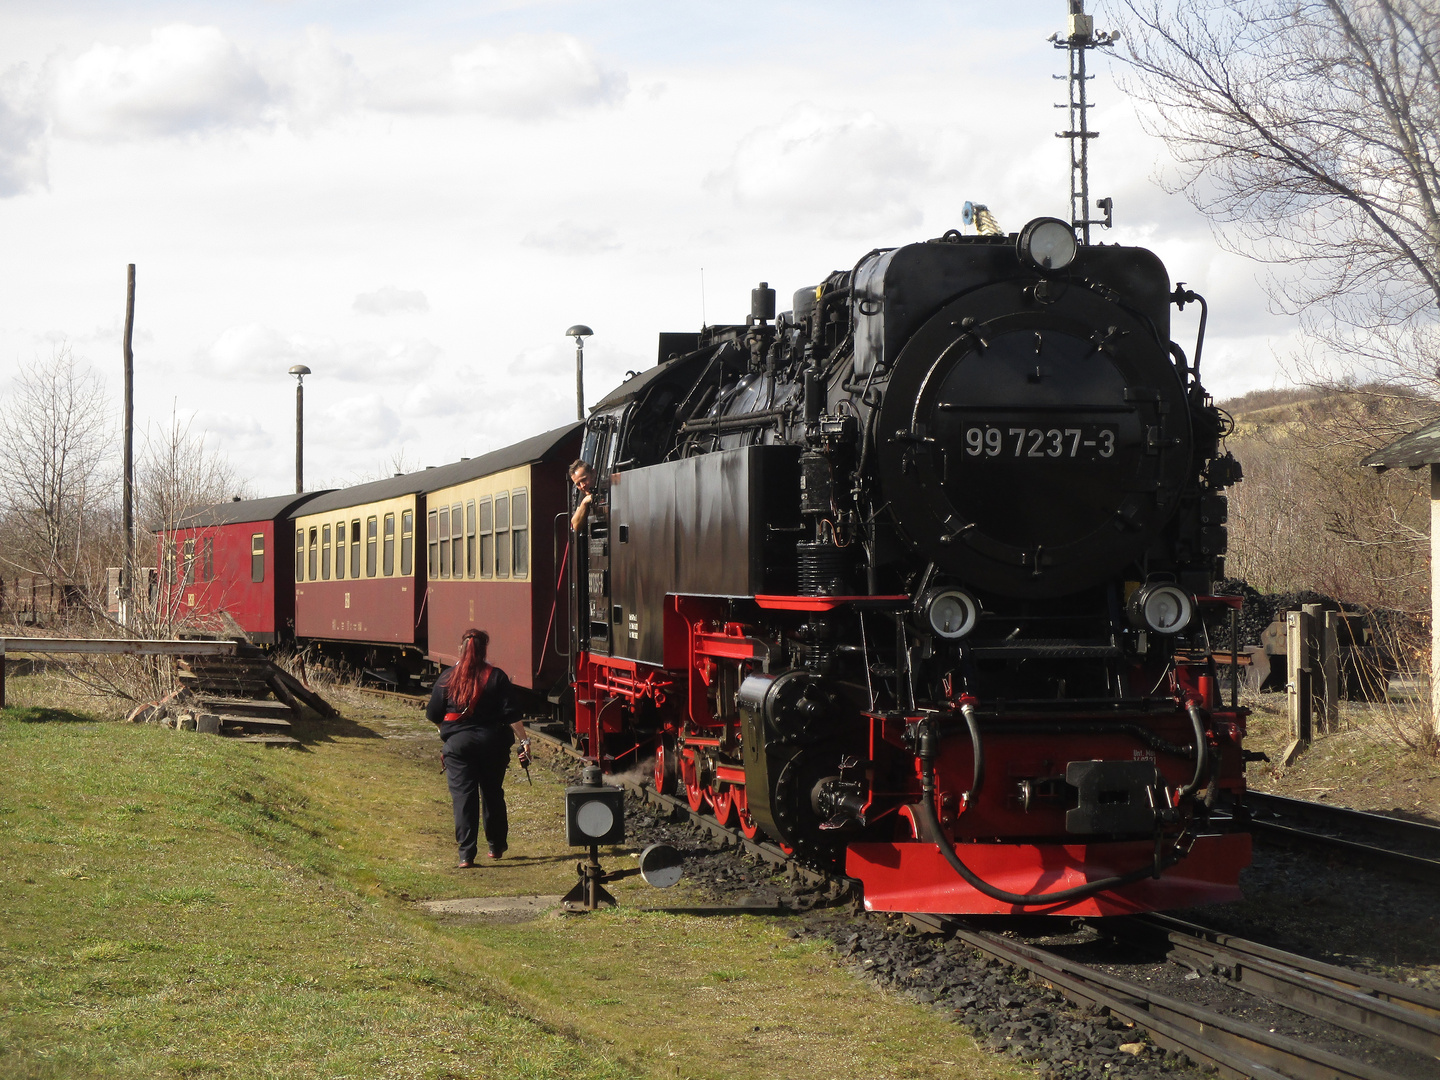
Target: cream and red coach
x,y
391,573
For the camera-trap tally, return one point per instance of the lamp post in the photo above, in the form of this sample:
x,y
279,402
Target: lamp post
x,y
579,332
299,371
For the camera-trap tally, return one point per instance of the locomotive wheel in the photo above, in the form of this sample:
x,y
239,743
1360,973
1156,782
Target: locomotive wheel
x,y
724,803
667,766
696,794
749,827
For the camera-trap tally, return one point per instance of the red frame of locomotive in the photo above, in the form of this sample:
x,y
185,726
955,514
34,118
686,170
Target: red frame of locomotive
x,y
909,873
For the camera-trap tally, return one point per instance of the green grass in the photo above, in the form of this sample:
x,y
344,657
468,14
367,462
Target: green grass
x,y
179,905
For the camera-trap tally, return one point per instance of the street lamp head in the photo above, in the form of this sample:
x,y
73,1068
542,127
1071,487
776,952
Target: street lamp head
x,y
299,371
579,330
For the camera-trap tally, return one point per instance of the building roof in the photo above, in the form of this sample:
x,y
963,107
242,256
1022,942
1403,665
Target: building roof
x,y
536,448
1418,448
244,510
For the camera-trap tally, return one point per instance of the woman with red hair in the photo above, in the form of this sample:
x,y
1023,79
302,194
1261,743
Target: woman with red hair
x,y
475,711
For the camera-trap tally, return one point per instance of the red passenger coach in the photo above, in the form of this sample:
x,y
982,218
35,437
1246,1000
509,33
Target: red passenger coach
x,y
220,572
490,556
391,573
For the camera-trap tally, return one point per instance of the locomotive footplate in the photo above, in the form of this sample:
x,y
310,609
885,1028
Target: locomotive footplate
x,y
914,876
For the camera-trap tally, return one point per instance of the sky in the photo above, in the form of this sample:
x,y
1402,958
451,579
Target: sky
x,y
417,200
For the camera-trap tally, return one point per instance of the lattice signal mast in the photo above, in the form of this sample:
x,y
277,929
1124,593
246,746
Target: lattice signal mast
x,y
1080,36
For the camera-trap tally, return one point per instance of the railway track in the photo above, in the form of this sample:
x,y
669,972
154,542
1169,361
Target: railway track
x,y
1399,1026
1407,848
1393,1029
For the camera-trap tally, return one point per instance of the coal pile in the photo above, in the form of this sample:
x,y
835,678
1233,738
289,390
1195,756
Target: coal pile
x,y
1260,610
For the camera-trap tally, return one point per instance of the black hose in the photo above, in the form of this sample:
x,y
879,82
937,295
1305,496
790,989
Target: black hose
x,y
972,722
1202,751
1090,888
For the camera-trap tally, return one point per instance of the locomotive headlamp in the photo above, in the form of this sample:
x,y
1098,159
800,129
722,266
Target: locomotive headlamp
x,y
1047,243
950,613
1163,609
594,812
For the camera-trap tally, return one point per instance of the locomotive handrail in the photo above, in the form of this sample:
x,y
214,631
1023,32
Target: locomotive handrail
x,y
562,561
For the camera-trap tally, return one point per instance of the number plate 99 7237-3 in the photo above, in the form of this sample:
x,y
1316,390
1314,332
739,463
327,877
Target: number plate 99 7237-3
x,y
1084,442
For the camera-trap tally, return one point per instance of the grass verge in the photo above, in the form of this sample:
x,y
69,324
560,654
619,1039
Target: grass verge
x,y
178,905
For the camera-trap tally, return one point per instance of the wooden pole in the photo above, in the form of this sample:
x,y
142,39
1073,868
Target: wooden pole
x,y
1313,646
1330,668
1435,597
127,567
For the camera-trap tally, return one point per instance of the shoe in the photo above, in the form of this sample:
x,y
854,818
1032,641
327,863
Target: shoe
x,y
495,853
467,864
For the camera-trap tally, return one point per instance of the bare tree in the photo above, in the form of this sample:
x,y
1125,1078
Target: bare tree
x,y
1310,131
57,492
177,473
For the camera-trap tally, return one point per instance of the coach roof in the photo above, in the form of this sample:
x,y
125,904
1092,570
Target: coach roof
x,y
537,448
245,510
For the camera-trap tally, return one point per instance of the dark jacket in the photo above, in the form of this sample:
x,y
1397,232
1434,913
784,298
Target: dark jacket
x,y
495,708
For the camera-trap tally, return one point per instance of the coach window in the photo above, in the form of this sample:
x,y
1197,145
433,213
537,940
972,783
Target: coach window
x,y
207,559
470,538
487,539
388,555
299,554
371,525
502,535
407,542
257,556
355,548
312,570
325,553
457,541
520,531
444,541
187,563
432,536
340,549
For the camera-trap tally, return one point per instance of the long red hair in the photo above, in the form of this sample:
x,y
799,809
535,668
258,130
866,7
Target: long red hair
x,y
471,672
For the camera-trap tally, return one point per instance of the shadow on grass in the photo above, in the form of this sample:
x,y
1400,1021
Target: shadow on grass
x,y
313,729
37,715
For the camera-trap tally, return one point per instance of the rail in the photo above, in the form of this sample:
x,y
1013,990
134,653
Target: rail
x,y
1235,1048
1407,848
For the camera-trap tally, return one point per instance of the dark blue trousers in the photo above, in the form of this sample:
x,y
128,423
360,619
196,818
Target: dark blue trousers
x,y
475,761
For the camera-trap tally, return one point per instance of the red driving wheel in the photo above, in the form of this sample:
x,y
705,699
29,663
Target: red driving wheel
x,y
695,794
749,827
666,770
724,803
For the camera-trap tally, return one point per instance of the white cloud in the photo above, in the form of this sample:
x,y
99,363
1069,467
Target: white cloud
x,y
571,239
365,421
526,76
184,79
850,172
238,433
22,134
253,350
390,301
316,80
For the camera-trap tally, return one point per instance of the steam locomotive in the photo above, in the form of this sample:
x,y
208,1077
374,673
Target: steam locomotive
x,y
910,578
